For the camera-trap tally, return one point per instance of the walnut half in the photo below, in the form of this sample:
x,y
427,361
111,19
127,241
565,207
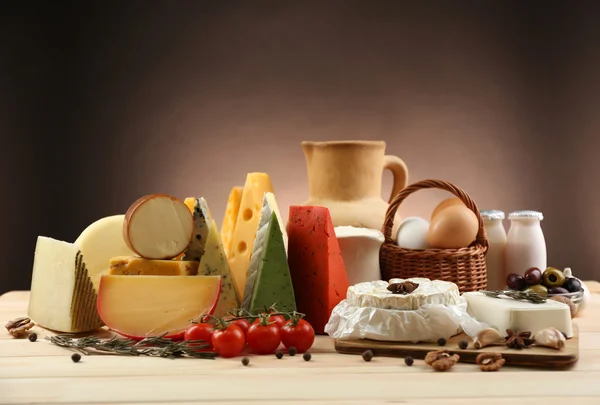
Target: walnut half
x,y
18,327
441,360
490,361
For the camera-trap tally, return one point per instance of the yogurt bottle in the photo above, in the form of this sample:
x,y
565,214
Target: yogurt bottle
x,y
525,245
495,257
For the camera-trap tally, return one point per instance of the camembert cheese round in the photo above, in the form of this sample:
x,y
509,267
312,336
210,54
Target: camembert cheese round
x,y
375,294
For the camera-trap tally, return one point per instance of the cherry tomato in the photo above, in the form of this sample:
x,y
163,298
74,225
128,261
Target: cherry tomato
x,y
263,339
244,324
278,320
229,341
301,336
200,331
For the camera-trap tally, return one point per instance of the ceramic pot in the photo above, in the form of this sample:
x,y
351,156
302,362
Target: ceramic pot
x,y
360,252
346,177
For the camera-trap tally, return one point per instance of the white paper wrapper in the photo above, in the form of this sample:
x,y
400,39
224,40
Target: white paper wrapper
x,y
426,324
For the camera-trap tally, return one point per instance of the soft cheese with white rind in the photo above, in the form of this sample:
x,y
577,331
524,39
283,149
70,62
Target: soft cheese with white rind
x,y
101,241
360,251
158,226
507,313
376,295
62,295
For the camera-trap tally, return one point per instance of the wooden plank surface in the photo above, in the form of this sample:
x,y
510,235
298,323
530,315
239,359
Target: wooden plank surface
x,y
40,373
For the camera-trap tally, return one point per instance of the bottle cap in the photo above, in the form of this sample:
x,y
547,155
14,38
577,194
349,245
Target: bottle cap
x,y
526,214
492,214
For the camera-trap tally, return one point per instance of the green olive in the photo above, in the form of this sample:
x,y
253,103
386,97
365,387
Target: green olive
x,y
553,277
538,289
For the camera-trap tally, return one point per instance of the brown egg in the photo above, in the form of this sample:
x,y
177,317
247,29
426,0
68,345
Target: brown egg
x,y
453,227
449,202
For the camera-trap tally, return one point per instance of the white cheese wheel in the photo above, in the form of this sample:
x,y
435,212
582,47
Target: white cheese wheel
x,y
375,294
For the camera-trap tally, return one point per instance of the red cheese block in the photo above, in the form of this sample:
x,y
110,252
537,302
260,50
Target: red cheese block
x,y
318,272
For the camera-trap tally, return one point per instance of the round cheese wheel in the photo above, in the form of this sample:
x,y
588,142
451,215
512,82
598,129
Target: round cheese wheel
x,y
158,226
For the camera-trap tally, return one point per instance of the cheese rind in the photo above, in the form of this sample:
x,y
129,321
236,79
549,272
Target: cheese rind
x,y
375,294
158,226
257,184
101,241
268,280
145,306
316,264
62,295
507,313
132,265
230,218
214,263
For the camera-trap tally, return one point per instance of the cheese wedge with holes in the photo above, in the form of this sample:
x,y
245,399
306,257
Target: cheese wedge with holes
x,y
101,241
62,295
257,184
132,265
230,218
316,264
268,279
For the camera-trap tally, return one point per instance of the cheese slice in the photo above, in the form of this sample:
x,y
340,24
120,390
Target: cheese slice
x,y
230,218
100,242
374,294
257,184
316,264
214,263
124,265
507,313
62,295
268,280
202,217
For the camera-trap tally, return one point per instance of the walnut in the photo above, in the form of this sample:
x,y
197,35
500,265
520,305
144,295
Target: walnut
x,y
490,361
404,288
567,301
19,327
441,360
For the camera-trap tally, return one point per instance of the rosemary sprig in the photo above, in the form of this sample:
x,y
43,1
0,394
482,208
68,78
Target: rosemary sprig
x,y
516,295
154,346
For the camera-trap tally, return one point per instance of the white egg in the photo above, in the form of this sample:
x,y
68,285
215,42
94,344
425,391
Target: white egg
x,y
412,233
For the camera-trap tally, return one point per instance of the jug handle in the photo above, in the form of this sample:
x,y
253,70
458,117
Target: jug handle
x,y
399,171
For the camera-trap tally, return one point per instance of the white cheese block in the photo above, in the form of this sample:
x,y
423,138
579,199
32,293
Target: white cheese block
x,y
360,252
507,313
62,295
376,295
100,242
269,207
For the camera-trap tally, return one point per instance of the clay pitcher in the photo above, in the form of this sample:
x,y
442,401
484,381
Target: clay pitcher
x,y
346,177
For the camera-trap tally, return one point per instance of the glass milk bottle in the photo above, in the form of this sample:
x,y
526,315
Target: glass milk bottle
x,y
525,245
495,257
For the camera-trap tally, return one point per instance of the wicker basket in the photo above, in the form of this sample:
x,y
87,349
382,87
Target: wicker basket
x,y
466,267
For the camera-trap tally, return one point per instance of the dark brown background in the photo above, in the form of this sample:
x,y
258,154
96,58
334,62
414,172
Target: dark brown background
x,y
101,105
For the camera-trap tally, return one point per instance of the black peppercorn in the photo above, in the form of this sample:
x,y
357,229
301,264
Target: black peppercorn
x,y
367,355
292,351
278,354
245,361
463,344
306,356
441,342
409,360
32,337
76,357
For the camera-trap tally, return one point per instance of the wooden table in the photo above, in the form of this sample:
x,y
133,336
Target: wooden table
x,y
41,373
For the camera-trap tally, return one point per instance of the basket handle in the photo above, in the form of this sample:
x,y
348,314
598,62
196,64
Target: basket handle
x,y
388,224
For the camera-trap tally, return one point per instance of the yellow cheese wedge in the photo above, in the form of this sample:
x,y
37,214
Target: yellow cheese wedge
x,y
133,265
231,214
242,243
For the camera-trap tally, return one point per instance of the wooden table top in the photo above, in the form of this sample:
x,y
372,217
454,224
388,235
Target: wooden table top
x,y
40,373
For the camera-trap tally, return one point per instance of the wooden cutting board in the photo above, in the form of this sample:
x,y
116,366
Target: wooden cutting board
x,y
529,357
